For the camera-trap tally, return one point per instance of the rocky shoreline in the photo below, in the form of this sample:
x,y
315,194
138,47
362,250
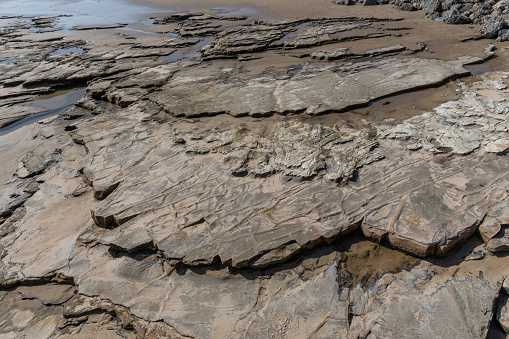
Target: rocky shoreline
x,y
224,175
492,16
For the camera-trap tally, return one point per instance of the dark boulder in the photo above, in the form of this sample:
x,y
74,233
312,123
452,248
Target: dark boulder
x,y
492,26
370,2
458,20
344,2
432,6
407,7
453,16
503,35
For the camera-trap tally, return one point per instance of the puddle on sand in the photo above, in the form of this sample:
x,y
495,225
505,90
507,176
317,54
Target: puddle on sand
x,y
498,63
51,104
59,98
296,32
186,53
7,61
129,29
478,69
173,35
62,51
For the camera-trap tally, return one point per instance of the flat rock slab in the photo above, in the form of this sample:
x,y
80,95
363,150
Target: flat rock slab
x,y
51,294
175,194
194,211
313,89
427,309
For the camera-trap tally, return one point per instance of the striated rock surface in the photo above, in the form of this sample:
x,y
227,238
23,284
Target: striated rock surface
x,y
312,90
204,215
177,204
287,34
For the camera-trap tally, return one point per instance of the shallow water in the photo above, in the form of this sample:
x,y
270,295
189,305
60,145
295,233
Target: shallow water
x,y
56,103
62,51
7,61
83,12
478,69
189,53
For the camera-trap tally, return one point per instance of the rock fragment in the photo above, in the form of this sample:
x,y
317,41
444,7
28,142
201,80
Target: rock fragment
x,y
497,146
344,2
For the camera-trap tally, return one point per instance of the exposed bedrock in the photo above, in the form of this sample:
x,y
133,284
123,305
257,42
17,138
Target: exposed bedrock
x,y
356,291
312,89
233,195
316,299
288,34
185,208
42,62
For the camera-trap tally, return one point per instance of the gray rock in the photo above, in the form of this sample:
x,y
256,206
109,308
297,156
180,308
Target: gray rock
x,y
408,7
451,128
503,35
303,308
491,228
502,313
319,295
492,26
33,163
287,34
456,19
432,6
21,187
498,245
344,52
465,301
501,7
344,2
256,201
477,255
395,208
51,294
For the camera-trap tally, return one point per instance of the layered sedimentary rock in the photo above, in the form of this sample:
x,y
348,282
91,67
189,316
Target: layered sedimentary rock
x,y
311,89
235,212
288,34
209,213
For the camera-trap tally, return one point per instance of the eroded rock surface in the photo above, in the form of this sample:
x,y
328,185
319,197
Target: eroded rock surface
x,y
160,220
312,89
479,119
287,34
207,212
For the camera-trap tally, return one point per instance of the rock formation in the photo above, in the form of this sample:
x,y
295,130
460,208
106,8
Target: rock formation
x,y
194,191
